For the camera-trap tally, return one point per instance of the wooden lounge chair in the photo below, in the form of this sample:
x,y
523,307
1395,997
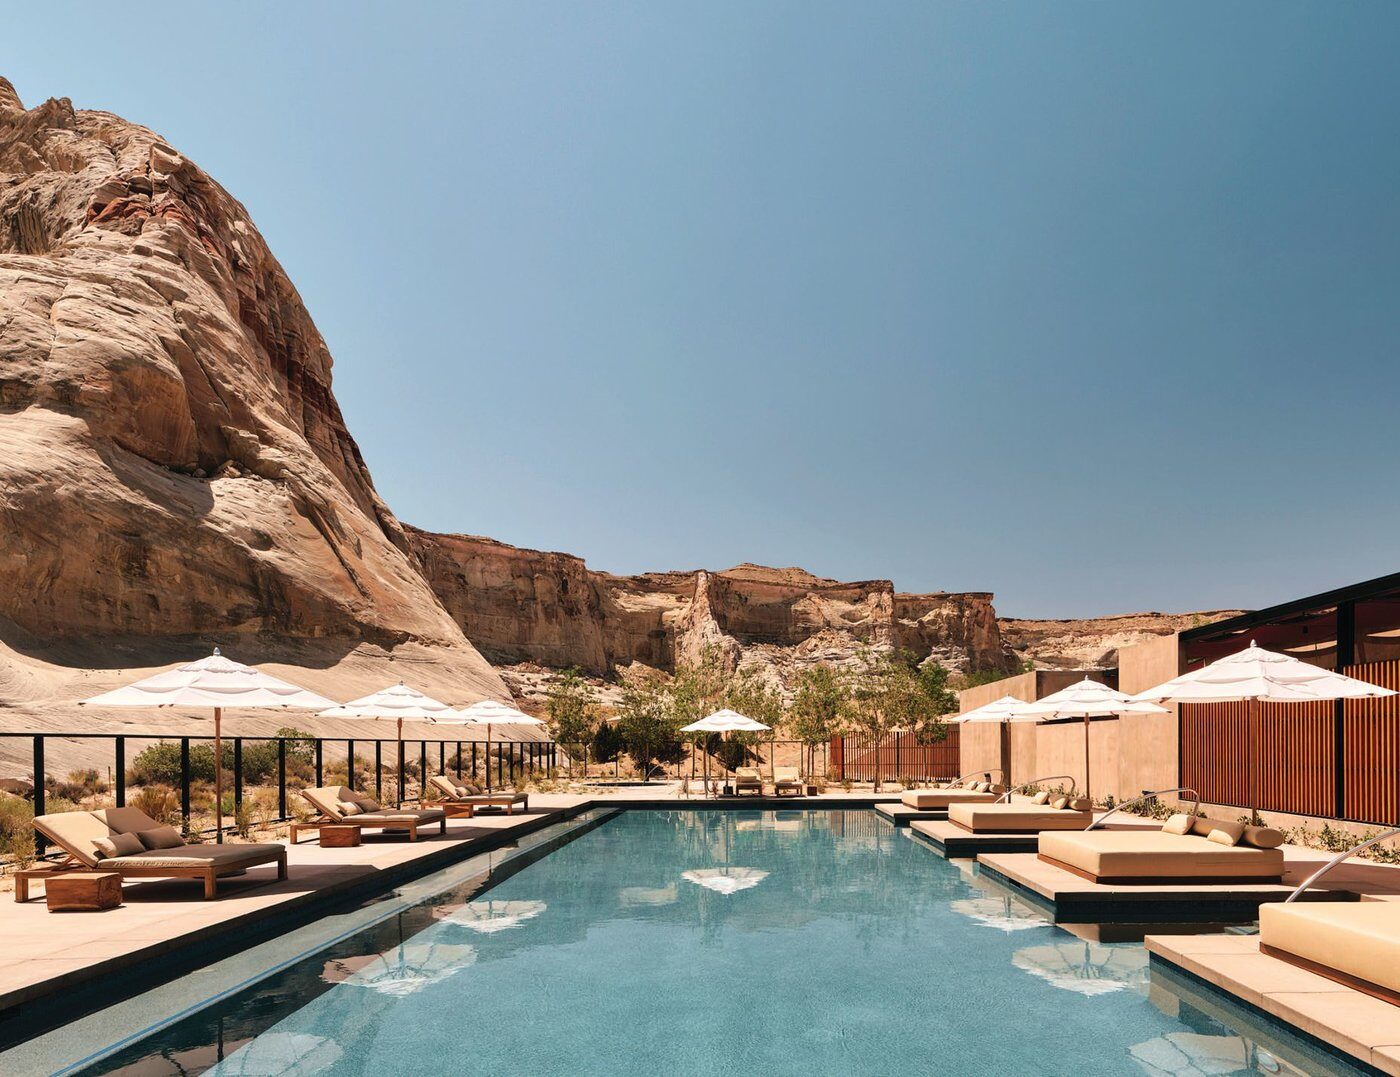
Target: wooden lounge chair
x,y
78,832
1353,943
340,805
1022,816
457,793
787,780
747,779
1251,855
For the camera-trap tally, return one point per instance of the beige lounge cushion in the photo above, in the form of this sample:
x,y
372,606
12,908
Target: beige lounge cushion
x,y
934,799
1356,938
326,798
348,808
1080,804
1152,854
1041,798
161,837
197,855
74,832
1204,824
1226,833
1263,837
400,816
1020,817
445,785
1180,823
119,845
366,802
1059,802
127,820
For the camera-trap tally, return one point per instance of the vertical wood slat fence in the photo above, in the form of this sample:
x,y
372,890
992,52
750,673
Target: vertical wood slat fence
x,y
900,756
1325,759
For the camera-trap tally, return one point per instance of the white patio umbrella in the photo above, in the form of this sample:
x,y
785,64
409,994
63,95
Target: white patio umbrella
x,y
396,702
1004,709
489,712
1087,699
215,682
1256,674
723,721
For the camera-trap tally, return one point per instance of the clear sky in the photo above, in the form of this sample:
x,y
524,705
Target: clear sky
x,y
1096,306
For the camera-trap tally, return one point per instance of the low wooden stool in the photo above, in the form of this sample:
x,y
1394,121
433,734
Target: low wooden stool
x,y
450,808
85,891
334,836
41,871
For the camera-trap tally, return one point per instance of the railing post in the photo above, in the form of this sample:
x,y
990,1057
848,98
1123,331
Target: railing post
x,y
281,778
121,771
320,759
422,768
350,764
237,774
459,760
378,771
473,760
185,780
38,790
442,757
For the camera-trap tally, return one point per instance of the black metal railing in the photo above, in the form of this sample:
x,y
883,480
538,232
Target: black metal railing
x,y
307,754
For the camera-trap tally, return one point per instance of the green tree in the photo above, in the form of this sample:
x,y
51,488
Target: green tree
x,y
646,723
893,693
572,716
818,704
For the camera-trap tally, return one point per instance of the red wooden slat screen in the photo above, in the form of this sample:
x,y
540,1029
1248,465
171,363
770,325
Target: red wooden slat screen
x,y
1283,757
900,756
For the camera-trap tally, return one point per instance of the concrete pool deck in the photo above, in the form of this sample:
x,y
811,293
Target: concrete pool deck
x,y
167,922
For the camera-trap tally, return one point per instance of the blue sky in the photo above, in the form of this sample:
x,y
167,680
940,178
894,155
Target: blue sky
x,y
1090,305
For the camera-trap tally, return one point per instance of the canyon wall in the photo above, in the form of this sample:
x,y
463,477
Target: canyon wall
x,y
521,605
1093,642
174,469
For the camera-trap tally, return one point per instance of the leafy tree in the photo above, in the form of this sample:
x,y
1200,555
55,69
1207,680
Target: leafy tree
x,y
894,693
572,716
607,742
646,723
817,707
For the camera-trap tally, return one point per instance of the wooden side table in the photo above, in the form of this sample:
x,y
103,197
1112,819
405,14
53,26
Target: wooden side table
x,y
450,808
41,871
85,891
334,836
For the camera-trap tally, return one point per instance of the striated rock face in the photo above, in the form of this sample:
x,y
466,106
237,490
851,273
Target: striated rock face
x,y
173,463
522,605
1093,643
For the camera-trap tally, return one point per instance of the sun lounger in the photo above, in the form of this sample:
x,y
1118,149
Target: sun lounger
x,y
787,780
78,832
747,779
341,806
1353,943
457,793
1021,816
1165,856
936,799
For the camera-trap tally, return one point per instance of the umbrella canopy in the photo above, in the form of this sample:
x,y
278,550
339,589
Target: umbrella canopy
x,y
726,880
1086,699
725,721
1257,674
397,701
1005,709
216,682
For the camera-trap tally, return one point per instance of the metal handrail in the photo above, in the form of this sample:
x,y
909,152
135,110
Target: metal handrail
x,y
1149,795
1320,872
973,773
1005,798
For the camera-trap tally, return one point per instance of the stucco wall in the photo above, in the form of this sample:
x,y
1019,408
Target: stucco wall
x,y
1148,756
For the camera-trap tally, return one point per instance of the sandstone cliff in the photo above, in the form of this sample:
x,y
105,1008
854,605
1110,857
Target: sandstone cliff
x,y
1094,642
174,469
521,605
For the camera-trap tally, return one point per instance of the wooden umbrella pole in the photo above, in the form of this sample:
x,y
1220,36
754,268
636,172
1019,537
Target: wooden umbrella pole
x,y
398,759
218,776
1086,760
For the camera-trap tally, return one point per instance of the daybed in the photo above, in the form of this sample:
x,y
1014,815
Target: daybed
x,y
747,779
340,805
787,780
458,793
103,841
1186,849
1354,943
972,792
1023,816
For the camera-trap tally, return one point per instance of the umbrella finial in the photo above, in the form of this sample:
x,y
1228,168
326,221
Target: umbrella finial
x,y
1253,643
216,652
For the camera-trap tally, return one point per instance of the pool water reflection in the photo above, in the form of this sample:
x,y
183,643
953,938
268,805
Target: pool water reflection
x,y
717,942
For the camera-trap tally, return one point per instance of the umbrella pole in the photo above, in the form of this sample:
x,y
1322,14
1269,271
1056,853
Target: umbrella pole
x,y
398,778
218,776
1086,761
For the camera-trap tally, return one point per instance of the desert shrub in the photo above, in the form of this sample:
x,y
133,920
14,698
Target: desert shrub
x,y
16,829
158,801
89,779
159,764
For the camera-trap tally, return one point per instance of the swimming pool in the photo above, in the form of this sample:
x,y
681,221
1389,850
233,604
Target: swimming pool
x,y
716,942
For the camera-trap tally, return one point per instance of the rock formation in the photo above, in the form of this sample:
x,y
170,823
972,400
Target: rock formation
x,y
174,469
521,605
1094,642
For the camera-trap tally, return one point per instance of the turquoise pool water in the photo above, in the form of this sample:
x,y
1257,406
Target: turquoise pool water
x,y
715,942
